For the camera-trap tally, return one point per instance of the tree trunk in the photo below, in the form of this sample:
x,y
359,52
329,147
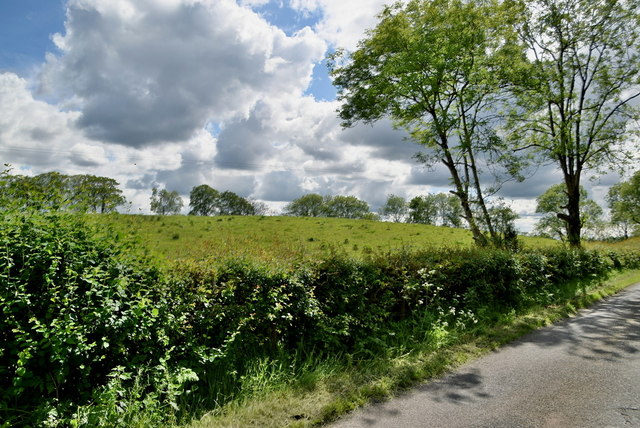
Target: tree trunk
x,y
572,219
483,206
463,195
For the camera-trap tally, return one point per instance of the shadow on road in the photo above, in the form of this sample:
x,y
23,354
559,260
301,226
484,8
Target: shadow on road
x,y
609,330
459,388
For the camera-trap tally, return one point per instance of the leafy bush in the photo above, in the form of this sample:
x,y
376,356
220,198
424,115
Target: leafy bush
x,y
74,309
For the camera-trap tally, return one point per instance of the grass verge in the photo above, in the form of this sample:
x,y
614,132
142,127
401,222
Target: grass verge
x,y
322,391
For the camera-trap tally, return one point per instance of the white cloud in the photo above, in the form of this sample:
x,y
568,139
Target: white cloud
x,y
147,72
344,22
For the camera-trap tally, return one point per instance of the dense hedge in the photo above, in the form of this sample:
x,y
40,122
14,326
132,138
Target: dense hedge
x,y
82,312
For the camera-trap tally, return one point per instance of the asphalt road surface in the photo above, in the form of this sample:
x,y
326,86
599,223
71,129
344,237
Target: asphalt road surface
x,y
582,372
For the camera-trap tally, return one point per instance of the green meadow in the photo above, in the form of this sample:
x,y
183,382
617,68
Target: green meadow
x,y
283,239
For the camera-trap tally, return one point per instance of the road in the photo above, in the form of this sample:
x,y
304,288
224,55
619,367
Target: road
x,y
582,372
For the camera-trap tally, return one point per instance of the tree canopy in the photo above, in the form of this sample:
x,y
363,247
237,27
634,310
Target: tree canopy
x,y
164,202
437,209
56,191
436,68
395,208
309,205
624,201
203,200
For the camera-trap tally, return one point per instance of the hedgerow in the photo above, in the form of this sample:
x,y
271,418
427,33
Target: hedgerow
x,y
94,333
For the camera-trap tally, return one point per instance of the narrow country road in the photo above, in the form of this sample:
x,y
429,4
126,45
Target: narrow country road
x,y
582,372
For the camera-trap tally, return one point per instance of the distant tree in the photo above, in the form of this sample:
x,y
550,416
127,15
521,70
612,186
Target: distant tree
x,y
440,208
395,208
259,207
423,210
51,190
56,191
230,203
96,194
345,207
503,219
306,206
164,202
624,201
203,200
371,217
553,204
450,210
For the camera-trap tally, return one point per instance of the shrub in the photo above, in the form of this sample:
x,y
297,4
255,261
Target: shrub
x,y
74,308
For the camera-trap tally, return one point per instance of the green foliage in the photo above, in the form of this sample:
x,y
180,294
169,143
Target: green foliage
x,y
203,200
93,334
344,207
75,308
553,204
230,203
576,96
436,69
395,208
624,202
306,206
164,202
314,205
55,191
436,208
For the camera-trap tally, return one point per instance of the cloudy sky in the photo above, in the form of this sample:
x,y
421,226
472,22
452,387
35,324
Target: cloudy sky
x,y
177,93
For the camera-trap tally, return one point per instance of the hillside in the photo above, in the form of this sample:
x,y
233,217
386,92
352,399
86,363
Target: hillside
x,y
282,238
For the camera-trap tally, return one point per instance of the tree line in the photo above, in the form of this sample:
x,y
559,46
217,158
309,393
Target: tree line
x,y
56,191
205,200
89,193
489,87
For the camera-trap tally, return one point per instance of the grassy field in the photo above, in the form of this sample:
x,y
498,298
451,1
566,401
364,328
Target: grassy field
x,y
283,239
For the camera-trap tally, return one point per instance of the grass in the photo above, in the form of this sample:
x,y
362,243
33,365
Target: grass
x,y
325,390
282,239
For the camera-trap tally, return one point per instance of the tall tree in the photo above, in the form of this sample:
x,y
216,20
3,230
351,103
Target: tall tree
x,y
436,68
437,209
449,209
164,202
423,210
203,200
583,78
395,208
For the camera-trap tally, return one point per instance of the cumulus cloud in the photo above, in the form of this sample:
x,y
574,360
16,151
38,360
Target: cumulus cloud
x,y
145,72
32,131
344,22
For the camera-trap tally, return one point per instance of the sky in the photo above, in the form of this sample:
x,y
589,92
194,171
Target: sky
x,y
234,94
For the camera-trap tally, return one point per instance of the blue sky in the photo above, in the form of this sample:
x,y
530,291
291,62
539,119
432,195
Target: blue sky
x,y
26,27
